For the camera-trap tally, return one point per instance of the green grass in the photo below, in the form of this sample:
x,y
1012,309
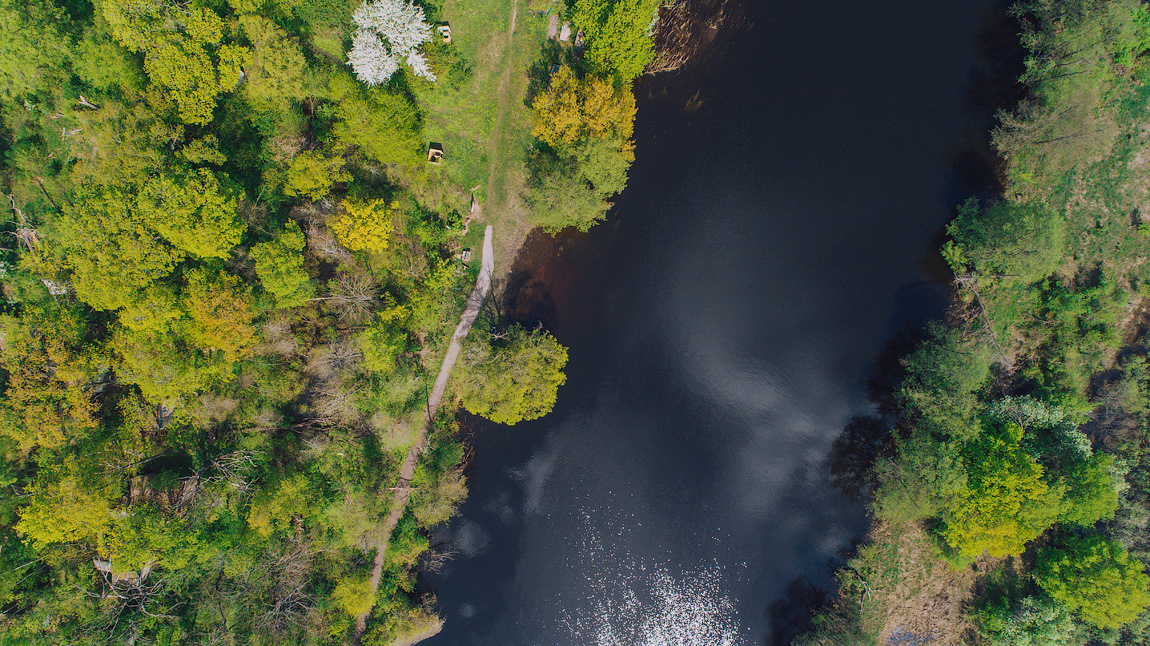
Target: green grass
x,y
464,120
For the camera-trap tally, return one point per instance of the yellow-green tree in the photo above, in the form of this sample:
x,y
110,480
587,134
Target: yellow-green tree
x,y
64,509
354,596
220,314
155,310
111,250
48,371
1097,577
121,143
1007,502
574,109
517,381
275,68
185,70
312,173
165,367
193,213
364,225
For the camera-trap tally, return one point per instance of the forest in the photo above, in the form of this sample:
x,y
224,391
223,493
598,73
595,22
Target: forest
x,y
230,270
1010,459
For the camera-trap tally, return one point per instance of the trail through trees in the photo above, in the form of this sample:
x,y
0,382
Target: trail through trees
x,y
407,470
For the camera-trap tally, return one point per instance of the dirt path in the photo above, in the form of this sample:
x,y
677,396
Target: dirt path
x,y
493,144
407,469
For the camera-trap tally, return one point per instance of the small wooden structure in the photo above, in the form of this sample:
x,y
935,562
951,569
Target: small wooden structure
x,y
435,153
465,256
445,33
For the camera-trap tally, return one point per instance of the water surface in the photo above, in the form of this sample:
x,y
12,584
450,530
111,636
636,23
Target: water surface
x,y
772,236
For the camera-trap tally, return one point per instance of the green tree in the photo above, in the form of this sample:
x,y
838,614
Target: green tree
x,y
1034,621
516,381
312,173
109,248
34,49
616,31
1097,577
275,508
1091,491
385,125
145,537
943,378
1026,241
1080,58
193,213
563,198
279,264
1007,502
924,478
604,164
104,64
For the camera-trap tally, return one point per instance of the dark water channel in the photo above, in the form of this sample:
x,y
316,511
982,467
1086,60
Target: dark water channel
x,y
774,234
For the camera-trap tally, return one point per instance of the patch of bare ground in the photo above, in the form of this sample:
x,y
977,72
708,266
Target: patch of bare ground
x,y
516,226
915,596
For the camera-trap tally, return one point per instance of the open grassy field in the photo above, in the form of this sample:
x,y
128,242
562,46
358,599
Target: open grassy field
x,y
484,124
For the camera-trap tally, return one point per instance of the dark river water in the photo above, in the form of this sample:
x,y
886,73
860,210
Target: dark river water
x,y
775,232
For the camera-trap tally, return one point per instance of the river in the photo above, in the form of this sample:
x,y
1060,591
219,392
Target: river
x,y
775,232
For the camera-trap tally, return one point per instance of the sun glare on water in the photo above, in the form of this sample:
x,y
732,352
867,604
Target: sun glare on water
x,y
677,612
630,603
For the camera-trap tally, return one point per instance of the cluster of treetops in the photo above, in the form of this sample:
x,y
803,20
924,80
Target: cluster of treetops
x,y
1020,433
229,279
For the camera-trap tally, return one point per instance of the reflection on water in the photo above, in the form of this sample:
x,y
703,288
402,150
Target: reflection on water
x,y
719,323
632,604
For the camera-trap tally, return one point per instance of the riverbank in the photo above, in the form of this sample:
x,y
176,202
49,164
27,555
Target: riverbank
x,y
1049,318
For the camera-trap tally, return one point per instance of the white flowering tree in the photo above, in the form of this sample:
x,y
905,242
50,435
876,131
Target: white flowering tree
x,y
386,32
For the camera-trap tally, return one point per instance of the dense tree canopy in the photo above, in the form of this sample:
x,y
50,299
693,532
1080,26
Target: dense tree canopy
x,y
228,279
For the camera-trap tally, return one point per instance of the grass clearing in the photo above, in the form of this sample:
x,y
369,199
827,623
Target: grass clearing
x,y
485,150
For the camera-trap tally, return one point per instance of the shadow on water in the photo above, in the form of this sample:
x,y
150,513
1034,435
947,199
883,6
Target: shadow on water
x,y
976,170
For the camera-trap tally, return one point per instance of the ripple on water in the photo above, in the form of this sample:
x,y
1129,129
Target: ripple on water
x,y
633,605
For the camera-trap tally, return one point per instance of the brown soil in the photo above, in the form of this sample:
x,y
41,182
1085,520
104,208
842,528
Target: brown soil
x,y
924,602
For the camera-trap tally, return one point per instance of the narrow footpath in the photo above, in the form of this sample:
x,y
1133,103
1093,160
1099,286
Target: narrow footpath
x,y
407,470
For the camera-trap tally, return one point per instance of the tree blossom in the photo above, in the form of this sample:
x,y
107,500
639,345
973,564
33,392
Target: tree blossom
x,y
386,31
